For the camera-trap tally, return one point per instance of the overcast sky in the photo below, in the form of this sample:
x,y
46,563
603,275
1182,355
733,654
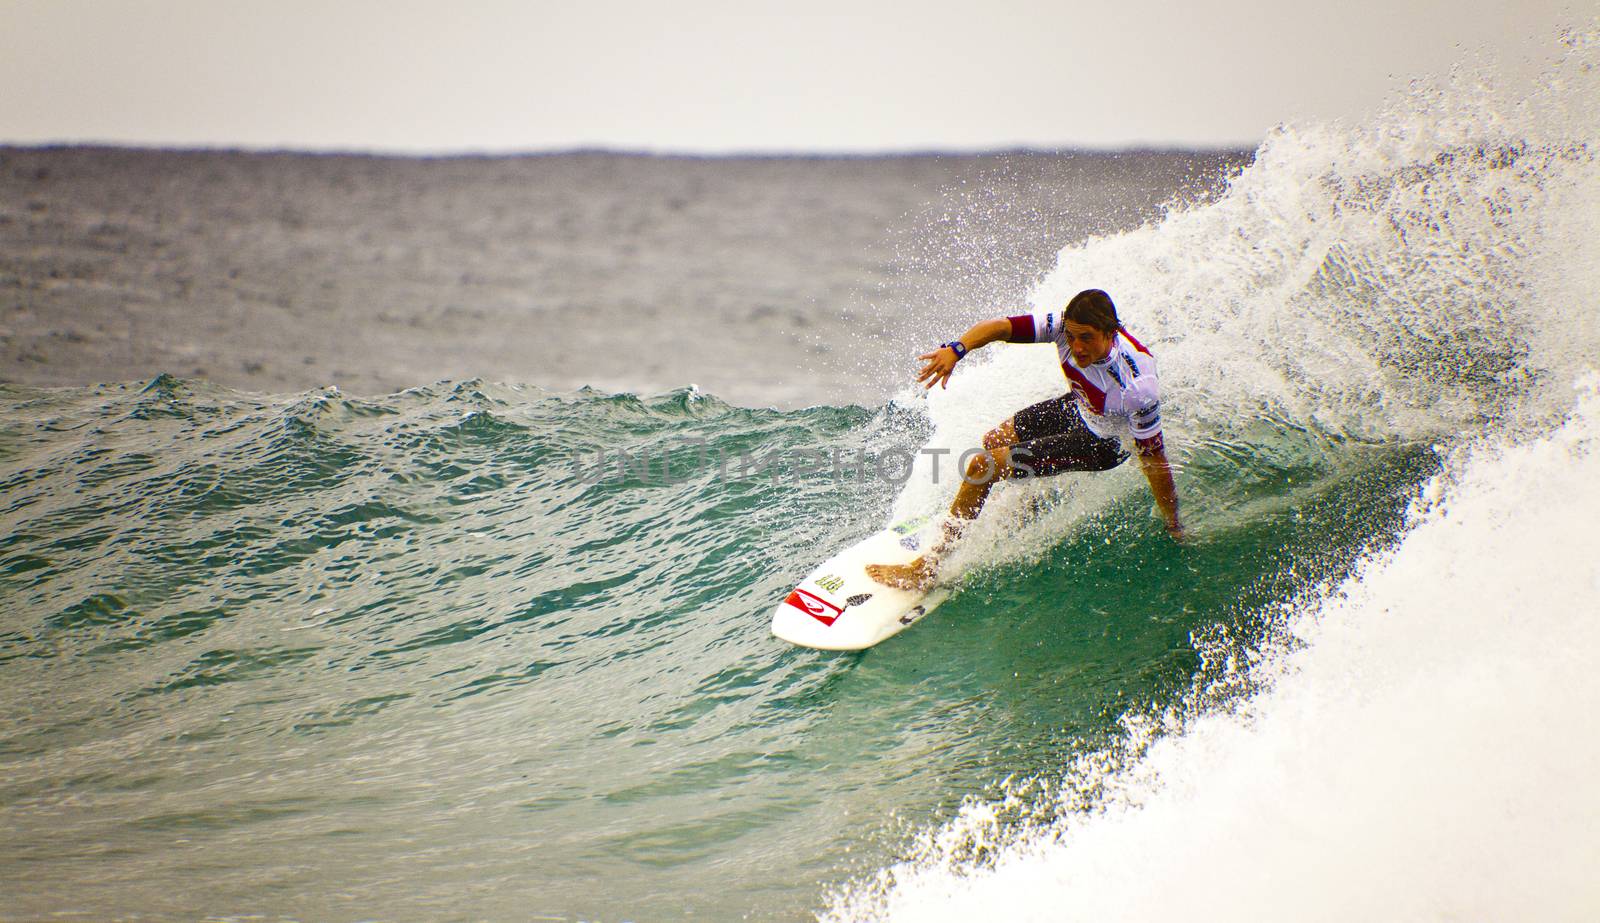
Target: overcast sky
x,y
809,75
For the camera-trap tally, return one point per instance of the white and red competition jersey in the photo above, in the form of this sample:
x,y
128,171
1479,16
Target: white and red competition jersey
x,y
1118,394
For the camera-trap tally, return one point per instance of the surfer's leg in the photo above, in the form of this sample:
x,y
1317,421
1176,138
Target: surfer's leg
x,y
1045,418
1003,435
982,472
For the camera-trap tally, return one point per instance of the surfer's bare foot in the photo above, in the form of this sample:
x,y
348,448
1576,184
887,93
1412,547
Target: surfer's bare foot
x,y
917,575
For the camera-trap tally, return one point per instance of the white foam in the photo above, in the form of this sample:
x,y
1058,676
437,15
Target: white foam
x,y
1428,754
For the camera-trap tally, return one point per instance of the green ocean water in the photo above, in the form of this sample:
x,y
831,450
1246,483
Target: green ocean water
x,y
409,657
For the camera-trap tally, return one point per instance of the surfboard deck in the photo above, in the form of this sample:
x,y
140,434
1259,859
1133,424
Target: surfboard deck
x,y
839,608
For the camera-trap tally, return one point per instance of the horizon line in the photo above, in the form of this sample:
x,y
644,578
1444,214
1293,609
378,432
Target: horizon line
x,y
601,150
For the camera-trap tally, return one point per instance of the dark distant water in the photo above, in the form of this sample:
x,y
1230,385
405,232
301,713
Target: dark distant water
x,y
382,652
767,281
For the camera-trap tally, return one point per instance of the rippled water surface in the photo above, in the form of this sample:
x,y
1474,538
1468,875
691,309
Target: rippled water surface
x,y
408,657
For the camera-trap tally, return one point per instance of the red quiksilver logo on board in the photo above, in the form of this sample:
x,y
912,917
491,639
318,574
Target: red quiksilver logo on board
x,y
813,605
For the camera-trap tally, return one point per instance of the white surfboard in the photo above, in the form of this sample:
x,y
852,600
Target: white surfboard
x,y
839,608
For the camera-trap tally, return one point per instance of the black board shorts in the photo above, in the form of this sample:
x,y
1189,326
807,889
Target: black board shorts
x,y
1052,438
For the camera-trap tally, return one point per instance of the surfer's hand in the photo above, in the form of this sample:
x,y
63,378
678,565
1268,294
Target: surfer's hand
x,y
941,362
1175,529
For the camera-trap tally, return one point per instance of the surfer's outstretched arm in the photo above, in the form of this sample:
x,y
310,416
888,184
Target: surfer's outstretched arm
x,y
942,361
1153,457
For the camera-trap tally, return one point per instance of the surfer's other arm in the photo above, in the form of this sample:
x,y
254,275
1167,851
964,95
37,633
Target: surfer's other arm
x,y
1153,458
942,361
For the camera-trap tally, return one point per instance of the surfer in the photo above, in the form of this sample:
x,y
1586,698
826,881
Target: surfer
x,y
1113,389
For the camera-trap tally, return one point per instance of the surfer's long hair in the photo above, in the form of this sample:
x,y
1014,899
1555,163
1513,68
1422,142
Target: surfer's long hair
x,y
1094,308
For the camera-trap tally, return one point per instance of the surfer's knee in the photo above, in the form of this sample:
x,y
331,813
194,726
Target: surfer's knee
x,y
991,465
1003,435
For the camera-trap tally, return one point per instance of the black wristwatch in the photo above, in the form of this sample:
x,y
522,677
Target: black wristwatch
x,y
957,347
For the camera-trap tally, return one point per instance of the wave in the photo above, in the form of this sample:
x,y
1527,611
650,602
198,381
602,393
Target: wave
x,y
1397,738
1411,746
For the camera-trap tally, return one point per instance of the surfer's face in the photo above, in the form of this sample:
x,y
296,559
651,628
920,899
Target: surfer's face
x,y
1087,344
